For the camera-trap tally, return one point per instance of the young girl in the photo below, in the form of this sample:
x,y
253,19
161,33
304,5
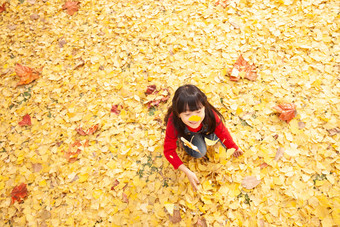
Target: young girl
x,y
191,118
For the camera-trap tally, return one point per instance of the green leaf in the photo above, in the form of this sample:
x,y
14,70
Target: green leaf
x,y
152,111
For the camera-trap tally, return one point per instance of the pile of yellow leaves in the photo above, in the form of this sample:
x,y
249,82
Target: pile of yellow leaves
x,y
80,144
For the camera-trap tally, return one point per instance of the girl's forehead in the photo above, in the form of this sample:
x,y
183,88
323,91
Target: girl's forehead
x,y
197,107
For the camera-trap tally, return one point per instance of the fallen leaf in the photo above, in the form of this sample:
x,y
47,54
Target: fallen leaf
x,y
71,7
34,16
125,198
150,89
36,167
301,124
74,149
26,74
157,97
26,121
89,131
201,223
45,214
176,217
279,153
3,7
210,142
61,44
223,3
242,68
19,193
80,62
333,131
115,183
287,111
250,182
81,131
115,109
263,165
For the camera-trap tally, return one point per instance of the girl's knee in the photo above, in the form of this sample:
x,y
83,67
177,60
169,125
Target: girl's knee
x,y
200,154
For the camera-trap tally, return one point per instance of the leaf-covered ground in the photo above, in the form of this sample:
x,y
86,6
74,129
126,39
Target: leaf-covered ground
x,y
92,155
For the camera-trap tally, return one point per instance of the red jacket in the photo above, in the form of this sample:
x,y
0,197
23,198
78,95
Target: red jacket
x,y
171,136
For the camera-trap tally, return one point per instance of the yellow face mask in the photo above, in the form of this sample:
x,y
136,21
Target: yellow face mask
x,y
195,118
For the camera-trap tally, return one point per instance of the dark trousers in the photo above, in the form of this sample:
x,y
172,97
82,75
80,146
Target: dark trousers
x,y
198,139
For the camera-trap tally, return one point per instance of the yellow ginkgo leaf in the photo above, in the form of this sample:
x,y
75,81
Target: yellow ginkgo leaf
x,y
210,142
195,118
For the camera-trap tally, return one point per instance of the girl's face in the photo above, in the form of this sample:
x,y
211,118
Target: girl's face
x,y
193,119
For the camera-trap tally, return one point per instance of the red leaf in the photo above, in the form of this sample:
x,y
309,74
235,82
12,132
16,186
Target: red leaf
x,y
26,121
115,109
287,111
19,192
71,7
3,7
90,131
162,96
150,89
223,3
115,184
26,74
74,149
93,129
125,198
81,131
242,65
263,165
250,182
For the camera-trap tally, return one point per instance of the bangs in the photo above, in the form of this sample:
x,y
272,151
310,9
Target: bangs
x,y
190,103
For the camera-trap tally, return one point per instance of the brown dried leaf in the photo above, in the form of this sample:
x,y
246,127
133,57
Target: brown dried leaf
x,y
333,131
36,167
250,182
279,153
176,217
201,223
34,16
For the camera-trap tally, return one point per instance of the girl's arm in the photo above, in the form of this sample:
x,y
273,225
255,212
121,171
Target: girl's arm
x,y
223,134
170,145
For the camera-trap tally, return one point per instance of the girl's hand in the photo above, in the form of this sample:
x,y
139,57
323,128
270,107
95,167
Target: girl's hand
x,y
238,153
193,180
191,176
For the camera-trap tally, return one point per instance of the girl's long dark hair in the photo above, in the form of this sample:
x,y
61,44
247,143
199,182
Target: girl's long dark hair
x,y
191,98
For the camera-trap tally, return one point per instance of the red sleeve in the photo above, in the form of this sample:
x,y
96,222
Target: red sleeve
x,y
223,134
170,145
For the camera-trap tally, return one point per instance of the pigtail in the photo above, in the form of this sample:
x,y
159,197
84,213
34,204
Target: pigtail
x,y
210,120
